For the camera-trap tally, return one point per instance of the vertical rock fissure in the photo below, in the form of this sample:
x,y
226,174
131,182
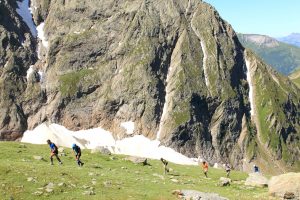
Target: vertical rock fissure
x,y
250,83
167,92
204,50
205,56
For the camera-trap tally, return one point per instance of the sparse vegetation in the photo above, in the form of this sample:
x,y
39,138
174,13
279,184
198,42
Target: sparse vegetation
x,y
69,82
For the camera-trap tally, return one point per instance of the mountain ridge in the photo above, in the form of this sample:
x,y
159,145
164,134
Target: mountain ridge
x,y
283,57
293,39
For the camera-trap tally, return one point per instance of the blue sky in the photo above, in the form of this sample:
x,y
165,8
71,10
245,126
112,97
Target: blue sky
x,y
269,17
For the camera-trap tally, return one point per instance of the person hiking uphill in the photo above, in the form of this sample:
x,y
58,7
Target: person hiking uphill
x,y
227,169
165,163
54,152
205,168
77,152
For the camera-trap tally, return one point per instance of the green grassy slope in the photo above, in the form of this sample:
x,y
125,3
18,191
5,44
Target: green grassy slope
x,y
273,96
112,178
284,58
295,77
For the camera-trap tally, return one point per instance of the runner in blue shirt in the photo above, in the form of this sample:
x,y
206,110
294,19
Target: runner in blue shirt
x,y
77,152
54,152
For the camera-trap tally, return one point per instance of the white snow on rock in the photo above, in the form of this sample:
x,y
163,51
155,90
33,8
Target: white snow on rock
x,y
25,12
204,50
41,34
41,76
167,102
129,126
29,72
249,79
137,145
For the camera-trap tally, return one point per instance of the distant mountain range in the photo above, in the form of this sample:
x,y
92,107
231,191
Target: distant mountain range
x,y
293,39
283,57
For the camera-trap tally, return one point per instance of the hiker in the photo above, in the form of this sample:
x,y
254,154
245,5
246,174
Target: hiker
x,y
255,169
205,168
165,163
54,152
227,169
77,152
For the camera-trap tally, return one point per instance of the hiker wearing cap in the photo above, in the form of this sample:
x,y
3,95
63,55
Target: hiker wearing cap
x,y
255,169
205,168
227,169
54,152
165,163
77,152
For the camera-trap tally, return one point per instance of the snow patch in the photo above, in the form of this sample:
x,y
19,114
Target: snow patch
x,y
25,12
137,145
204,50
29,72
41,76
129,126
41,34
249,79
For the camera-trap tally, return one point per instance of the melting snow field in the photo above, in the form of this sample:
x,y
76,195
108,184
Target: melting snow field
x,y
137,145
25,12
129,126
250,87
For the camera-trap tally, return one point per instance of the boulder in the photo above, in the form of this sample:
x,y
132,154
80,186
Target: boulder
x,y
38,158
175,180
137,160
102,150
196,195
61,149
285,186
224,181
257,180
38,193
88,192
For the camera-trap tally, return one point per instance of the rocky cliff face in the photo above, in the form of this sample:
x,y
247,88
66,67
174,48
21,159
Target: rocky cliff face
x,y
174,68
16,55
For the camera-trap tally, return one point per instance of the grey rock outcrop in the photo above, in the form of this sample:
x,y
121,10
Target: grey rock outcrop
x,y
224,181
257,180
101,150
285,186
137,160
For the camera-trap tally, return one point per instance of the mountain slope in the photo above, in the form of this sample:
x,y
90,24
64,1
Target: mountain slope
x,y
107,176
295,77
283,57
174,68
293,39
